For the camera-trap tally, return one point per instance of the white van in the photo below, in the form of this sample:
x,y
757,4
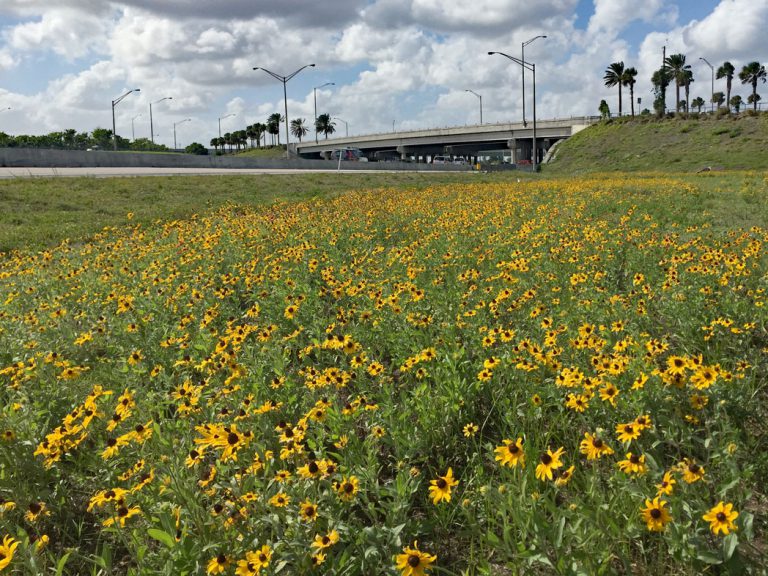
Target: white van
x,y
441,160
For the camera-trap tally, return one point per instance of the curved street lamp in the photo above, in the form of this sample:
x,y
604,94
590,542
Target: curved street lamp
x,y
151,123
522,54
532,67
712,99
314,91
481,104
222,118
174,129
346,125
115,103
284,80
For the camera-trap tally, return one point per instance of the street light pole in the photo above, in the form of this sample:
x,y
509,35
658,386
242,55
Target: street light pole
x,y
532,67
522,53
222,118
314,91
151,123
133,127
346,125
115,103
712,98
174,129
284,80
481,104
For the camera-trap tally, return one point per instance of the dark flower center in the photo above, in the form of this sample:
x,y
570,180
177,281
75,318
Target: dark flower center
x,y
414,560
655,513
139,428
122,511
233,438
513,449
262,557
597,443
441,483
635,459
693,468
221,559
546,459
313,468
326,540
721,517
349,487
35,508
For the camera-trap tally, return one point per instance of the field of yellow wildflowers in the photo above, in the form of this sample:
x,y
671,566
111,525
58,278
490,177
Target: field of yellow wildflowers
x,y
546,377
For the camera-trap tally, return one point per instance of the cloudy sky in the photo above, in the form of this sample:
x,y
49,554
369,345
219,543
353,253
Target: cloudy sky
x,y
407,61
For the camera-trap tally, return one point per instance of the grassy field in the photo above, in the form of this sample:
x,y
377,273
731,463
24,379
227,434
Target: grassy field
x,y
454,375
42,213
272,152
678,145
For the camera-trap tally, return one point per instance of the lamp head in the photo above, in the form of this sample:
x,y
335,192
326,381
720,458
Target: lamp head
x,y
491,53
137,89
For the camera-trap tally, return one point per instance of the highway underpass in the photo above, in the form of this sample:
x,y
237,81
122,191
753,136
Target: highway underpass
x,y
468,141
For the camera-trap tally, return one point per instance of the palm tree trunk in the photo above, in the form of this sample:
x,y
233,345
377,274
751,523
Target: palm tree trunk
x,y
728,92
677,95
632,98
619,98
754,94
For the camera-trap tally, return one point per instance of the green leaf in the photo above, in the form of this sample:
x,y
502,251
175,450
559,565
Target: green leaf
x,y
709,557
162,536
729,545
61,563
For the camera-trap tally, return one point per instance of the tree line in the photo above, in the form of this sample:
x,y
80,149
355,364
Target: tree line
x,y
260,132
675,69
71,139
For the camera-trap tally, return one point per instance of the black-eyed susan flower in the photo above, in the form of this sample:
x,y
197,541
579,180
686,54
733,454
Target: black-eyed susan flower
x,y
563,477
414,562
549,461
440,488
721,517
35,510
347,488
323,541
692,472
655,514
634,464
593,447
628,432
510,453
667,484
470,429
308,511
7,550
280,500
218,564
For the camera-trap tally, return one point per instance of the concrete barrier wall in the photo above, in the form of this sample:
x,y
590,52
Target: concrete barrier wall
x,y
38,158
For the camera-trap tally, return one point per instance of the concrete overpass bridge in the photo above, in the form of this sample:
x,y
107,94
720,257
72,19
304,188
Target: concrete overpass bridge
x,y
467,141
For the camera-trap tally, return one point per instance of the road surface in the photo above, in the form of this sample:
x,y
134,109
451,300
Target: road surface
x,y
117,172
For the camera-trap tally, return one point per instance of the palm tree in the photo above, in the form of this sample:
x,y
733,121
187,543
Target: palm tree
x,y
228,140
215,144
629,79
613,77
298,128
718,98
273,125
726,71
677,70
687,79
325,125
698,102
750,74
736,103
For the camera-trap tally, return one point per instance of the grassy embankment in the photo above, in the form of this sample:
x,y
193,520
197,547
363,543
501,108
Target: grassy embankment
x,y
676,145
